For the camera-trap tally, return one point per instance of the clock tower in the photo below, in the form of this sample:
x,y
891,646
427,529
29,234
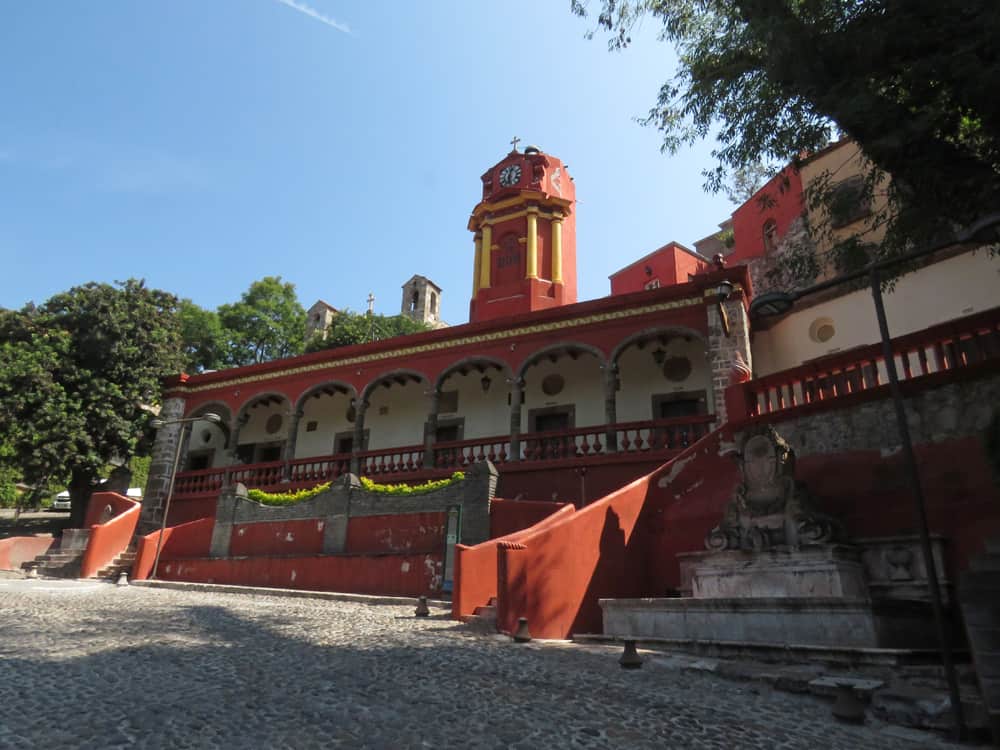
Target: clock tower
x,y
525,237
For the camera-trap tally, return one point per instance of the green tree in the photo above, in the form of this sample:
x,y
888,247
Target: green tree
x,y
204,339
267,323
355,328
75,373
913,83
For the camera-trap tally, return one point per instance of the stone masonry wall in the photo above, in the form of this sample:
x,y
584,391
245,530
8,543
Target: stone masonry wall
x,y
346,499
950,412
161,466
722,349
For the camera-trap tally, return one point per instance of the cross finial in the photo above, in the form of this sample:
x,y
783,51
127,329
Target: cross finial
x,y
514,141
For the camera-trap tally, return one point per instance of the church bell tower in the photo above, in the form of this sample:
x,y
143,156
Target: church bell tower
x,y
525,237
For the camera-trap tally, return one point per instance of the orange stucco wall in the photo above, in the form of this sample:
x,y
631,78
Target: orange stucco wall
x,y
21,549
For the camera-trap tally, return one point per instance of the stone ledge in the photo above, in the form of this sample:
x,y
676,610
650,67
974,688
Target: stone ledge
x,y
219,588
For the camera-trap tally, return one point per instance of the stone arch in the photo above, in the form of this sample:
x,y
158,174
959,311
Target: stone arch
x,y
257,397
562,347
653,334
398,375
472,362
338,385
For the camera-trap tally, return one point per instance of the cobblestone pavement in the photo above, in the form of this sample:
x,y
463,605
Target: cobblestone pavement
x,y
97,666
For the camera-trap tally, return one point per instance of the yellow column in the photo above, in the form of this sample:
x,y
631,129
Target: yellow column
x,y
556,250
484,261
477,269
532,265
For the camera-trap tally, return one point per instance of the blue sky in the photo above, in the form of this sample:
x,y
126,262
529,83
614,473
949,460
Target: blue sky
x,y
202,145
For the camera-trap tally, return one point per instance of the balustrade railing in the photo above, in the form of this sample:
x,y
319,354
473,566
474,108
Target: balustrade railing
x,y
663,434
950,346
557,444
200,482
318,469
261,476
653,436
457,454
391,461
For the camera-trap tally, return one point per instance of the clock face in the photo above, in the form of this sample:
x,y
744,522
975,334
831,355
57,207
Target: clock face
x,y
510,175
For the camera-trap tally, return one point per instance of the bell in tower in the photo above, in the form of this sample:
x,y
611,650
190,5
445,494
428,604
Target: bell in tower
x,y
525,237
422,301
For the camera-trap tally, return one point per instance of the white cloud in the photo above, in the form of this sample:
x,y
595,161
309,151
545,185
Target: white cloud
x,y
313,13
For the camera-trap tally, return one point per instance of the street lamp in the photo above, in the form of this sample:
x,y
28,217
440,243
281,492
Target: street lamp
x,y
157,424
772,304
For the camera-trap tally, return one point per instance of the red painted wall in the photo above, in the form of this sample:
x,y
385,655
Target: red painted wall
x,y
110,539
303,537
555,575
669,265
410,533
784,205
191,539
21,549
387,575
509,516
100,500
476,567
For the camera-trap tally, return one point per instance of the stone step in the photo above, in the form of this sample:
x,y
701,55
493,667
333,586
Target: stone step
x,y
57,556
488,612
488,625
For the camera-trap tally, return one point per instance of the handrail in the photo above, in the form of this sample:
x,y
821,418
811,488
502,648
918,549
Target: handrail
x,y
108,540
947,346
628,437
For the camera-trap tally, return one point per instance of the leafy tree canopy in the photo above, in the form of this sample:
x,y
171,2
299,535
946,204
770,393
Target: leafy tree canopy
x,y
267,323
204,339
355,328
913,83
75,372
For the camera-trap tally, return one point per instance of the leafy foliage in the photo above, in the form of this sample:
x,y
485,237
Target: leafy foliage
x,y
75,373
286,498
204,339
353,328
406,489
267,323
912,83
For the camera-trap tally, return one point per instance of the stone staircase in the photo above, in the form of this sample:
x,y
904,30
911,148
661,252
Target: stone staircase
x,y
56,564
484,618
64,561
122,563
979,597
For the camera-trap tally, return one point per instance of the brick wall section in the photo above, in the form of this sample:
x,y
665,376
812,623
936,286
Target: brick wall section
x,y
161,466
722,349
346,499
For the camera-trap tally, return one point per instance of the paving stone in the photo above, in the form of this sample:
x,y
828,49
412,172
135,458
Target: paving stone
x,y
163,668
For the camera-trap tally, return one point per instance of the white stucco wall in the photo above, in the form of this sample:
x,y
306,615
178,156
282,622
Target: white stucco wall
x,y
486,414
208,436
406,409
254,430
641,377
958,286
330,414
584,389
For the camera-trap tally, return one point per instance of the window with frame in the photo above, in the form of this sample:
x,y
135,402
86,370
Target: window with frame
x,y
849,202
